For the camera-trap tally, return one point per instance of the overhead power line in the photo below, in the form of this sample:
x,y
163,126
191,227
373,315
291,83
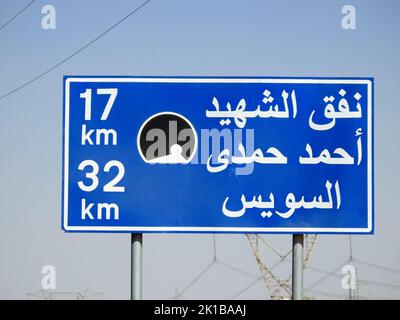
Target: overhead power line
x,y
197,278
252,284
283,257
76,52
379,284
236,269
326,276
327,294
17,14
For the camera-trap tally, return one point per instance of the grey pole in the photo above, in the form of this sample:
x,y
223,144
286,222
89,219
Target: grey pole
x,y
297,267
136,266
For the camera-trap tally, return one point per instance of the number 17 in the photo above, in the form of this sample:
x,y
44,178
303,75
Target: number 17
x,y
87,95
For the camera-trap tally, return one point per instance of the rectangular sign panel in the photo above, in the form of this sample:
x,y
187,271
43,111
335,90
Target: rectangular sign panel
x,y
277,155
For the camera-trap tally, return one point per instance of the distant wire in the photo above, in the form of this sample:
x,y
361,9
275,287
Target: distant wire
x,y
17,14
374,297
327,294
380,284
334,272
275,265
273,250
214,260
197,278
362,281
328,274
325,272
310,289
373,265
233,268
225,264
76,52
286,255
253,283
343,296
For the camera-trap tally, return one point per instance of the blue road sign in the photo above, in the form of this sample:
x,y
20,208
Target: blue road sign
x,y
166,154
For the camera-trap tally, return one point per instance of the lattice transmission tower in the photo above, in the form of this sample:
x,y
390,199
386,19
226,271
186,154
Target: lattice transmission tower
x,y
277,288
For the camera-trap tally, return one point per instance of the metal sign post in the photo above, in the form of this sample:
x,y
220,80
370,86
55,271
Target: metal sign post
x,y
297,267
136,266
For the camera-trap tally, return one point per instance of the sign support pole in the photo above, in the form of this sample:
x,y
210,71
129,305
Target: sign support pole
x,y
297,267
136,266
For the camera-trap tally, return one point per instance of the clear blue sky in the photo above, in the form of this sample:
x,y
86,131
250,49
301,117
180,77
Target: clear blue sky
x,y
177,37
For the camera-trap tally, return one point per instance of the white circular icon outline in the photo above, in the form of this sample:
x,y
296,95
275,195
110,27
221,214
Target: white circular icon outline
x,y
167,113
